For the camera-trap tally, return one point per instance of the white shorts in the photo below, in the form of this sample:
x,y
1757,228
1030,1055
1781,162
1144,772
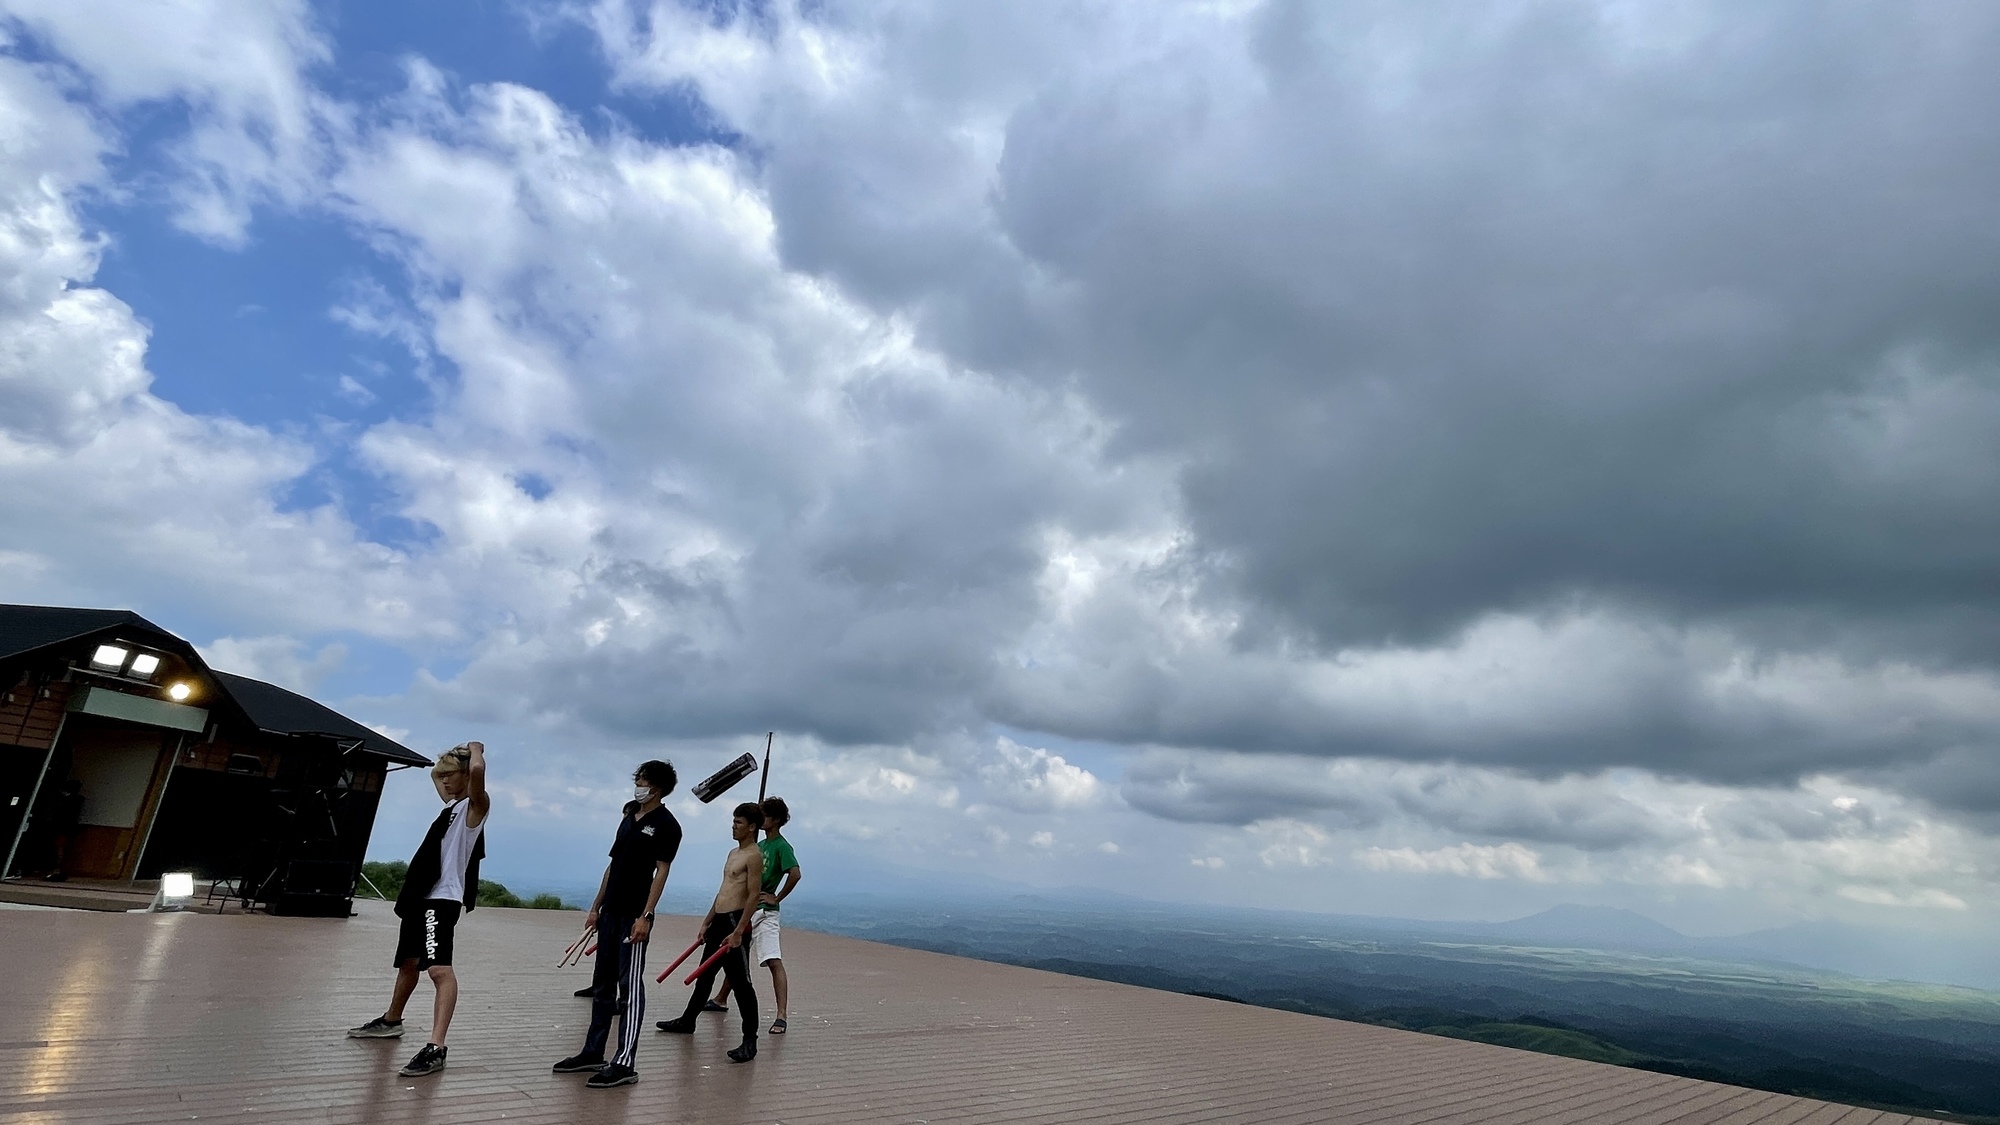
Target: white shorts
x,y
764,938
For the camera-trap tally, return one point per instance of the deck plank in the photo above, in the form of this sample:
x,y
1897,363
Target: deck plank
x,y
129,1019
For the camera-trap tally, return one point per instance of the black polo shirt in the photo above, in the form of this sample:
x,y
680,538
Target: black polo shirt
x,y
641,843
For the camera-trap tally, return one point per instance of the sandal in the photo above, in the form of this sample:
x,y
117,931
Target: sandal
x,y
777,1027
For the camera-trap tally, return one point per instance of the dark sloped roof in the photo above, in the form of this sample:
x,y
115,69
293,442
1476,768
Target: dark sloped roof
x,y
25,628
28,628
274,709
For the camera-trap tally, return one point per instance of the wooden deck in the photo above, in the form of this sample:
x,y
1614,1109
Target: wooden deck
x,y
114,1018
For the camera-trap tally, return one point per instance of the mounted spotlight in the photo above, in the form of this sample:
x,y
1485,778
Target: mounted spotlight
x,y
176,893
179,692
145,664
109,656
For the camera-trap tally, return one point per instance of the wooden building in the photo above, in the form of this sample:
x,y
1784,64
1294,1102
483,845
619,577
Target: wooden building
x,y
122,752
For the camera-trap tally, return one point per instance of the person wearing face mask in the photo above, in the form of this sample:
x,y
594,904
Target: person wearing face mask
x,y
648,839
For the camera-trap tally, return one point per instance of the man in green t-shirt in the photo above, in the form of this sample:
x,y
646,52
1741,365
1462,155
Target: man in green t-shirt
x,y
780,865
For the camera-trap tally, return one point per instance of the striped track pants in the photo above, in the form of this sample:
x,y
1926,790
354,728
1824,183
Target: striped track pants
x,y
632,990
620,979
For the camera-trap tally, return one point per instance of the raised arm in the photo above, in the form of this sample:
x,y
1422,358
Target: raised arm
x,y
476,766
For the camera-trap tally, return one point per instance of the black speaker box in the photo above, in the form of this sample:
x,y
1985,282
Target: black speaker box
x,y
316,888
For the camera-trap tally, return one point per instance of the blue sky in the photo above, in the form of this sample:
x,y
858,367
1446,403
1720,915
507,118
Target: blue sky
x,y
1437,462
248,330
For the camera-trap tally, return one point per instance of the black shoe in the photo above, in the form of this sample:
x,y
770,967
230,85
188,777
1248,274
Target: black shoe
x,y
682,1026
377,1028
589,990
744,1053
576,1064
712,1006
612,1075
430,1060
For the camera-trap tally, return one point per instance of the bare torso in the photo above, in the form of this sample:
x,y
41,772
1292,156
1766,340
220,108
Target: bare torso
x,y
742,878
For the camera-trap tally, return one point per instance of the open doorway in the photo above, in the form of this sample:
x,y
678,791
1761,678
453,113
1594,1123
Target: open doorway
x,y
118,768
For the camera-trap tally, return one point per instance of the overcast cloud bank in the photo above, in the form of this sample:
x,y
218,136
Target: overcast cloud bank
x,y
1447,459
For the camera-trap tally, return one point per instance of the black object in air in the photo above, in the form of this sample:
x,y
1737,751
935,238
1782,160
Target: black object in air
x,y
718,783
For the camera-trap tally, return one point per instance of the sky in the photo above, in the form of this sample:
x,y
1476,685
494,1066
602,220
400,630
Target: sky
x,y
1431,460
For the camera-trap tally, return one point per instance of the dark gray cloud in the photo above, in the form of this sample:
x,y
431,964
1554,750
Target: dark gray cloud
x,y
1454,318
1682,318
1580,827
1587,812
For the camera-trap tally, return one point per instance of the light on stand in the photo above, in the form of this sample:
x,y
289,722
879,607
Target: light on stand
x,y
176,893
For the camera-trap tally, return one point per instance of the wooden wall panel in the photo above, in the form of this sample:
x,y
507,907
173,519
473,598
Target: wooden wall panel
x,y
27,719
215,756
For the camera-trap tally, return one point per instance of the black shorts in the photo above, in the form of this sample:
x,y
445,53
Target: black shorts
x,y
426,934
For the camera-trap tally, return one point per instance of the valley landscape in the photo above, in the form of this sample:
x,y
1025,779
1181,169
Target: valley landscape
x,y
1571,981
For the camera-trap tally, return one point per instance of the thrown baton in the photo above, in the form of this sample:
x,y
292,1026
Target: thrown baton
x,y
661,979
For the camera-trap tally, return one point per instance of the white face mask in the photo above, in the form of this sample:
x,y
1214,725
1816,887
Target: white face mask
x,y
642,794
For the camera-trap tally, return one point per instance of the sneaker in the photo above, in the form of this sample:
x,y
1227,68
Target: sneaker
x,y
430,1060
576,1064
612,1075
678,1027
377,1028
744,1053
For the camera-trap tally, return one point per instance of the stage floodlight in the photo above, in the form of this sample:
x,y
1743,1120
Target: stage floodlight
x,y
179,692
109,656
145,664
176,893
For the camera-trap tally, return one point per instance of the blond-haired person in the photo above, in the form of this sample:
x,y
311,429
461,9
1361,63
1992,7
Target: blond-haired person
x,y
443,879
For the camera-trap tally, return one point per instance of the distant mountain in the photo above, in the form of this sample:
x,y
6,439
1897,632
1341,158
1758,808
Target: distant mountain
x,y
1827,946
1876,954
1590,927
1911,955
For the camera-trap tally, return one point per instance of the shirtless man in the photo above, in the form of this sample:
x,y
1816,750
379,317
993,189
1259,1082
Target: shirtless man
x,y
780,864
727,925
